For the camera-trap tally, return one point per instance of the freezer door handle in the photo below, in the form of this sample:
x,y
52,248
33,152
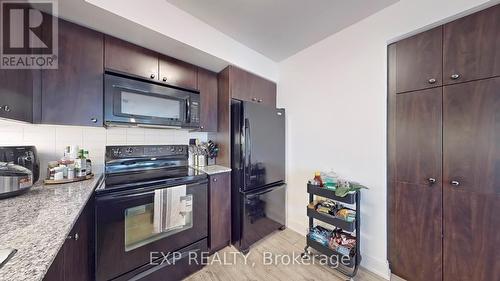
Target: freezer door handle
x,y
267,190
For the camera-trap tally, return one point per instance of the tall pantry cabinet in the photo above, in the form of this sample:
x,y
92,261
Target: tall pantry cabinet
x,y
444,151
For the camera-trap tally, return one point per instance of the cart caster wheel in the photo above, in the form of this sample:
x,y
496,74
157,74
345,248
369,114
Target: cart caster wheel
x,y
283,227
306,255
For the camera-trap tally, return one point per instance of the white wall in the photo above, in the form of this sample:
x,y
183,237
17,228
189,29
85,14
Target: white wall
x,y
335,96
50,140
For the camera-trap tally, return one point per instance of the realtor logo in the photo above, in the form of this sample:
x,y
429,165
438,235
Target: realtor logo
x,y
28,34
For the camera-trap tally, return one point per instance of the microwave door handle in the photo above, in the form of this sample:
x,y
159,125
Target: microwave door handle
x,y
131,89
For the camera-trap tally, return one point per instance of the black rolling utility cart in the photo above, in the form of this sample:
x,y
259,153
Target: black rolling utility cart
x,y
348,264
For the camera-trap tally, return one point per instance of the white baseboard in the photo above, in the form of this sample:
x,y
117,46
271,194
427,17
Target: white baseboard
x,y
377,266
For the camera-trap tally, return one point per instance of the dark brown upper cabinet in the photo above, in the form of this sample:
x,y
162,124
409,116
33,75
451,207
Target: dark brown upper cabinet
x,y
207,85
19,89
72,94
128,58
250,87
419,61
472,47
177,73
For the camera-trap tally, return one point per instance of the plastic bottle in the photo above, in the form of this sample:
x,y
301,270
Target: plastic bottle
x,y
317,179
330,179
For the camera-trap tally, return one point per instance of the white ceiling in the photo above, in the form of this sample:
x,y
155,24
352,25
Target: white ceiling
x,y
280,28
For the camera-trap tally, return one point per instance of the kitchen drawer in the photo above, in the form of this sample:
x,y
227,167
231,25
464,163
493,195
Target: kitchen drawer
x,y
171,269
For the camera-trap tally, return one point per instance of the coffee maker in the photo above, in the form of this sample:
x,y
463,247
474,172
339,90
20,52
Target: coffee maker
x,y
25,156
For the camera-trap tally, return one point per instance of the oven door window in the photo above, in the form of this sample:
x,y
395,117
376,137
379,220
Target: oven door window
x,y
169,214
131,104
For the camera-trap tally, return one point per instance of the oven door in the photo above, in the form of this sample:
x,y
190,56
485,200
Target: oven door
x,y
137,102
132,227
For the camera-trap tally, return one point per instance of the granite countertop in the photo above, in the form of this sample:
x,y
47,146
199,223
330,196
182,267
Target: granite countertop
x,y
37,223
213,169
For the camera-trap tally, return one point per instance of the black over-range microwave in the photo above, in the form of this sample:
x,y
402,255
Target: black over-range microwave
x,y
133,102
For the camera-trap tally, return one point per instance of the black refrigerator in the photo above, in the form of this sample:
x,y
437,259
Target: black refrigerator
x,y
258,172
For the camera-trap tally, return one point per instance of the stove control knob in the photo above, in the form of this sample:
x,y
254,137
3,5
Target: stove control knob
x,y
172,149
129,150
116,152
180,149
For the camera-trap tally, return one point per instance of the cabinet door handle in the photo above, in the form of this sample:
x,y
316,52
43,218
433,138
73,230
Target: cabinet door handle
x,y
431,180
260,100
215,179
455,183
201,127
75,237
455,76
432,81
254,99
94,120
164,79
6,108
153,76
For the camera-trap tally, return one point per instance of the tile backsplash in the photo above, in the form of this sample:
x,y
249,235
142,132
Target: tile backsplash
x,y
50,140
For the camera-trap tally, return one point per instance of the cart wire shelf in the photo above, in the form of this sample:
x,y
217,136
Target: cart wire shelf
x,y
354,199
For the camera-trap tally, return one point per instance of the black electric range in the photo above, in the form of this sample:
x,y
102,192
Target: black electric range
x,y
150,202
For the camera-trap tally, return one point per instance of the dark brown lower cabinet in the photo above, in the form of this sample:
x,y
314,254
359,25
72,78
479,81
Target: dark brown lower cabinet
x,y
219,227
416,230
471,173
74,262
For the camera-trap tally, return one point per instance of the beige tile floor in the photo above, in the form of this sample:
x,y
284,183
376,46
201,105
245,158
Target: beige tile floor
x,y
281,242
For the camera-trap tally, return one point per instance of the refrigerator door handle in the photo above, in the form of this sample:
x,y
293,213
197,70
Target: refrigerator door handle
x,y
248,151
267,190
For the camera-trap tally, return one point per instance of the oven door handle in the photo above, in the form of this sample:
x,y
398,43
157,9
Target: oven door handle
x,y
134,195
123,196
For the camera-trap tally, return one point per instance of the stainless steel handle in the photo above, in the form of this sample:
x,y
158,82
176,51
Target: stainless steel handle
x,y
254,99
153,76
75,237
455,183
432,81
94,120
455,76
431,180
164,79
